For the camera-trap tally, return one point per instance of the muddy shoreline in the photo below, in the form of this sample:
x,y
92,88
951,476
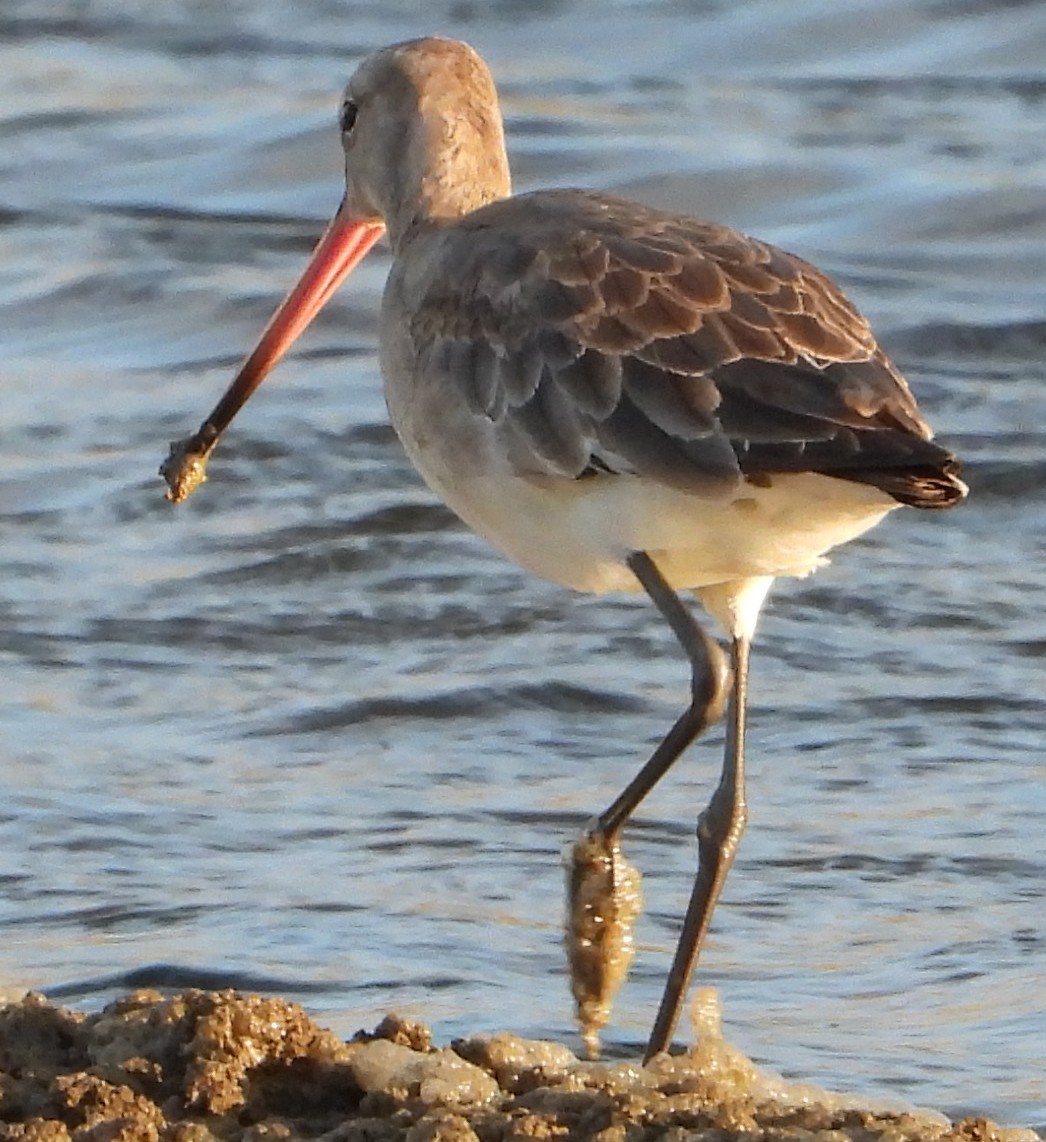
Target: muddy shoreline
x,y
201,1066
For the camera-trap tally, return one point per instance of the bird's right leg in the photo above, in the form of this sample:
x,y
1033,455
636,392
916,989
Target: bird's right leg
x,y
603,890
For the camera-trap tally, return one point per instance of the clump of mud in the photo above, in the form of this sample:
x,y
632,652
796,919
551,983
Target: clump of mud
x,y
224,1067
604,900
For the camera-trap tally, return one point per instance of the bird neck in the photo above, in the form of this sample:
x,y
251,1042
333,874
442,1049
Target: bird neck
x,y
464,167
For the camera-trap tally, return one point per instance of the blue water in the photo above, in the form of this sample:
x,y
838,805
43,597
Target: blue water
x,y
306,735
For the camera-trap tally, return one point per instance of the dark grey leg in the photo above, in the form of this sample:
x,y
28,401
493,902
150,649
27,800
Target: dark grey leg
x,y
603,890
709,681
719,830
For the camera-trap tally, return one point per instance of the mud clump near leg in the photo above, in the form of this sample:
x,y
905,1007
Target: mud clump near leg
x,y
604,900
225,1067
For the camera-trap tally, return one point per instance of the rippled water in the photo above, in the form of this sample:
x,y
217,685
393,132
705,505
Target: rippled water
x,y
306,734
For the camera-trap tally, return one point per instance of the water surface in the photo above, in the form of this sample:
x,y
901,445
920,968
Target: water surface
x,y
307,735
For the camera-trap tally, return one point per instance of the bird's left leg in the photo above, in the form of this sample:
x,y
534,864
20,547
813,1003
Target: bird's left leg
x,y
603,890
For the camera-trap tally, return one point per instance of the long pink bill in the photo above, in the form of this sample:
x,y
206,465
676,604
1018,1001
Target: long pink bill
x,y
343,246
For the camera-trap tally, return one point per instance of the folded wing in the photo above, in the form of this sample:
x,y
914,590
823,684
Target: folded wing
x,y
600,337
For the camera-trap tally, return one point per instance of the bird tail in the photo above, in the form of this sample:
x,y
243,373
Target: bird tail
x,y
923,486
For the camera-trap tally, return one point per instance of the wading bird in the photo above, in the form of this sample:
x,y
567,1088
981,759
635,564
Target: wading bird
x,y
617,398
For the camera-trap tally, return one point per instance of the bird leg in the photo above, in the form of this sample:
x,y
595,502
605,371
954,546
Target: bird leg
x,y
603,890
719,830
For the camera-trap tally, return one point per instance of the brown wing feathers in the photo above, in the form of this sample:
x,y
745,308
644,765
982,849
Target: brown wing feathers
x,y
624,340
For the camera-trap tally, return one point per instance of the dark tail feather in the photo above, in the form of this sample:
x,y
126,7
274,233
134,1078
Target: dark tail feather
x,y
924,486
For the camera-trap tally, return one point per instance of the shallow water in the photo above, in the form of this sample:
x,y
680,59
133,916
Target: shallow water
x,y
306,734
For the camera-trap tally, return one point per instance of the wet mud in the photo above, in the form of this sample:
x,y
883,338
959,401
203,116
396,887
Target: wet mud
x,y
604,900
202,1066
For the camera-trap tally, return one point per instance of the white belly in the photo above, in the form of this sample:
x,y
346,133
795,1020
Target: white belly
x,y
580,532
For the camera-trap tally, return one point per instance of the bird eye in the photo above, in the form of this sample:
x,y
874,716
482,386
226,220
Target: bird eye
x,y
349,111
